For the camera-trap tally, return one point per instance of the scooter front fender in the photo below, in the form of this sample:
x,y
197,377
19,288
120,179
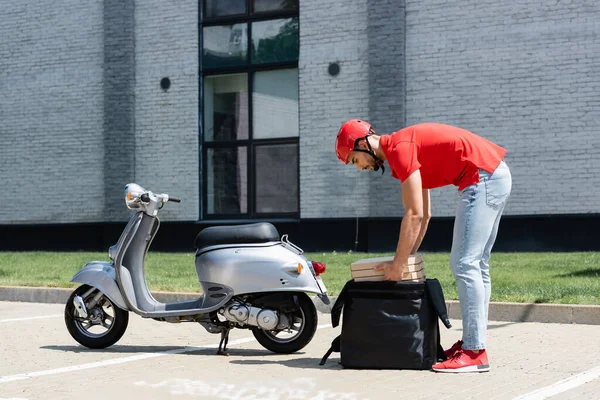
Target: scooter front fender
x,y
101,275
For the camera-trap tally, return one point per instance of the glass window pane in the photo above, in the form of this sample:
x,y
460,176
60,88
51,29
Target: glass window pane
x,y
220,8
271,5
275,104
275,40
277,178
225,45
226,183
226,107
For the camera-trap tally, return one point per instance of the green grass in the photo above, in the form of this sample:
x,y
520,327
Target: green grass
x,y
563,278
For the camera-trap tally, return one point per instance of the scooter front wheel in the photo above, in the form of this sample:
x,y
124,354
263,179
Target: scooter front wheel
x,y
104,324
303,325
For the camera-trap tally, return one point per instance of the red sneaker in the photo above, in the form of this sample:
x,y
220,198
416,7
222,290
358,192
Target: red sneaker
x,y
455,347
464,361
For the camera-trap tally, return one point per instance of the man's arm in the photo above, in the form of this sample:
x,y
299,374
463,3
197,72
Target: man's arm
x,y
412,198
424,221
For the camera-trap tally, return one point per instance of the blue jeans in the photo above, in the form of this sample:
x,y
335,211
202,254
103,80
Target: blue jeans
x,y
475,229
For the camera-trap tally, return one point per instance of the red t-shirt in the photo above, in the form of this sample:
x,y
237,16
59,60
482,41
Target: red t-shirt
x,y
444,154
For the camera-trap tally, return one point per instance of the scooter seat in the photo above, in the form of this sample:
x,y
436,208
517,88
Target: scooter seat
x,y
261,232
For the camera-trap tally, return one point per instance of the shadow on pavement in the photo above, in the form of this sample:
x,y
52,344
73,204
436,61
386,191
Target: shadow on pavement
x,y
500,325
304,362
160,349
491,325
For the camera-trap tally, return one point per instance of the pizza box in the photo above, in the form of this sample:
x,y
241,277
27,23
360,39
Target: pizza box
x,y
364,270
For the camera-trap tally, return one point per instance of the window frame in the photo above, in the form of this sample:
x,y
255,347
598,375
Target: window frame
x,y
251,143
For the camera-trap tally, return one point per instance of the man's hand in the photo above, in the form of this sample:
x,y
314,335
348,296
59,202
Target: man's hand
x,y
393,271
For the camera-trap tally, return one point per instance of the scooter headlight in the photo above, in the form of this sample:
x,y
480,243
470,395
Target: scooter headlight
x,y
133,192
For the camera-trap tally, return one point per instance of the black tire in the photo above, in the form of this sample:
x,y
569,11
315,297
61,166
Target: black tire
x,y
80,334
308,313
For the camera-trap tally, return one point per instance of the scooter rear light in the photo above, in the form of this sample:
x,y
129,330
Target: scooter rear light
x,y
318,267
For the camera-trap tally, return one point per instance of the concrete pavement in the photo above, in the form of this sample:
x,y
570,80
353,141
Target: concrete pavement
x,y
154,360
511,312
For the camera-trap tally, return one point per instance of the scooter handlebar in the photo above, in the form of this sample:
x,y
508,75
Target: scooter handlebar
x,y
145,197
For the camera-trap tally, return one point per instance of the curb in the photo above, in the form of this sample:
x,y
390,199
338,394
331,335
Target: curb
x,y
508,312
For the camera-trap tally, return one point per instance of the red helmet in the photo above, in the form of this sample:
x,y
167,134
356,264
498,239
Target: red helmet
x,y
347,136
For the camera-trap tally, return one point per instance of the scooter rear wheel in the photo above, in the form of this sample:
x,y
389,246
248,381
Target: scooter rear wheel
x,y
304,325
105,325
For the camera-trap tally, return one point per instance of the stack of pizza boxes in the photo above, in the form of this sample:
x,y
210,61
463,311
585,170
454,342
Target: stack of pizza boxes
x,y
364,270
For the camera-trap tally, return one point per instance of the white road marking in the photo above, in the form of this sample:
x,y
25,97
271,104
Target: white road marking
x,y
255,388
122,360
28,318
562,386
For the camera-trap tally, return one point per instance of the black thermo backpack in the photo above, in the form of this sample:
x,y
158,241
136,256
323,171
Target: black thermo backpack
x,y
389,325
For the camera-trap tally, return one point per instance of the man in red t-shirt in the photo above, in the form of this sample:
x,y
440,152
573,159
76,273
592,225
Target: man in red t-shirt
x,y
430,155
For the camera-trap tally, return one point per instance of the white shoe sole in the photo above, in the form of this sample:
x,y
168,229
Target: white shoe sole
x,y
471,368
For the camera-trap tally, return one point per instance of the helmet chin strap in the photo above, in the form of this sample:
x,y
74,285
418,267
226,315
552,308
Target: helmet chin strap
x,y
378,161
378,164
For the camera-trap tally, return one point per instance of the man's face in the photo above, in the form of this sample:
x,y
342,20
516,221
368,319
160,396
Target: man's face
x,y
362,160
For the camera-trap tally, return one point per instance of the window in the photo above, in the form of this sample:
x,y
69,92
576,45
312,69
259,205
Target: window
x,y
277,178
226,107
227,180
225,45
221,8
249,110
275,104
275,40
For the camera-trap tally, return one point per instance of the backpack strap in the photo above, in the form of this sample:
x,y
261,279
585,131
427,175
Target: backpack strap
x,y
336,313
335,346
436,296
441,356
336,310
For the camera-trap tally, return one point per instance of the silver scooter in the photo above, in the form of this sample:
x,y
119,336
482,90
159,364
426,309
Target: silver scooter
x,y
250,276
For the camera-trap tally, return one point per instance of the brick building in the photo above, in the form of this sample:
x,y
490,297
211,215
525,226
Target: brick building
x,y
233,105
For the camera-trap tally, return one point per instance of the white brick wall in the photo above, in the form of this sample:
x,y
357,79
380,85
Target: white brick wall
x,y
366,39
51,115
167,149
333,31
387,94
523,74
62,72
519,73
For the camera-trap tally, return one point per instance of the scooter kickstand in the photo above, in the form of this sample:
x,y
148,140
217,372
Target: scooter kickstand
x,y
222,351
